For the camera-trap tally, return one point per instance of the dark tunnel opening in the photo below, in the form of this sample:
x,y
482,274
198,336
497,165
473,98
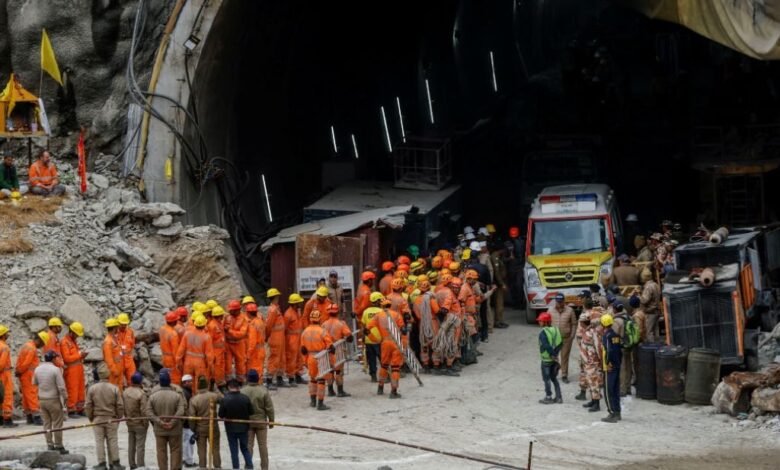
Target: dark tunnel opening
x,y
579,84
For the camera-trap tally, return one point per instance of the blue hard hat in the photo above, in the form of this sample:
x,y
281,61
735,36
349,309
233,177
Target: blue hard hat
x,y
559,297
610,298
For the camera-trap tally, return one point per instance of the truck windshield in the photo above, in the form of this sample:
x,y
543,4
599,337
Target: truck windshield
x,y
551,237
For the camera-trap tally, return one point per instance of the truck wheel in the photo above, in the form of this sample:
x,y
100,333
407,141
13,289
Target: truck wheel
x,y
530,314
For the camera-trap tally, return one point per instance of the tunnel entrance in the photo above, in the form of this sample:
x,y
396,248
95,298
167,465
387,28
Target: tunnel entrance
x,y
528,92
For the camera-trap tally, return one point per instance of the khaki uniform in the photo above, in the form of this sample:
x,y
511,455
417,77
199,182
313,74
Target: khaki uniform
x,y
645,254
53,398
104,403
168,434
566,322
627,365
650,301
626,275
591,356
200,407
135,403
263,411
501,281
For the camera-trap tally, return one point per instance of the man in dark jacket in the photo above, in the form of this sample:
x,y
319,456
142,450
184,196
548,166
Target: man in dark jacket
x,y
9,180
235,405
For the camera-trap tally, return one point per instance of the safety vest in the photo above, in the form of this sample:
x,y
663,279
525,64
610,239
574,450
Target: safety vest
x,y
554,339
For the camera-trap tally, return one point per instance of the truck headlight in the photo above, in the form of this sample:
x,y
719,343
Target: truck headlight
x,y
532,278
606,268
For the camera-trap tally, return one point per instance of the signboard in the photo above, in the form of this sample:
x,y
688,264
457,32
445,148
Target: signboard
x,y
307,278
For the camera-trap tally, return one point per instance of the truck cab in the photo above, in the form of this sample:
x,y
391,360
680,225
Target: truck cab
x,y
573,235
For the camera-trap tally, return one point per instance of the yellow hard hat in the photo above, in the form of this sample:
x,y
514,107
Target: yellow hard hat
x,y
211,303
606,320
412,279
77,328
3,330
217,311
111,323
123,319
295,298
248,299
200,321
273,292
422,277
490,228
454,266
198,306
16,195
55,321
43,336
375,297
416,266
466,255
322,291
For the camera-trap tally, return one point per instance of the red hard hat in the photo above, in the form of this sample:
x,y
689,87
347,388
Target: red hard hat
x,y
403,267
235,305
514,232
249,307
388,266
172,316
182,312
403,259
456,281
367,276
544,318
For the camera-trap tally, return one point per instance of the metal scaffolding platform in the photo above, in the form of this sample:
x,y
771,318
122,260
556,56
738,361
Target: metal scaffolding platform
x,y
423,163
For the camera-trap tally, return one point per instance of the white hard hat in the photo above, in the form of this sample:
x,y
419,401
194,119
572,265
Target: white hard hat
x,y
468,229
186,378
484,231
474,246
632,218
470,236
483,244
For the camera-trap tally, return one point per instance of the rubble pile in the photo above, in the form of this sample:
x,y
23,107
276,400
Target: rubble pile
x,y
752,397
108,252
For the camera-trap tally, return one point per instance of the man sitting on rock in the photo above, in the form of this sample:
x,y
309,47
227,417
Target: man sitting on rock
x,y
9,180
44,179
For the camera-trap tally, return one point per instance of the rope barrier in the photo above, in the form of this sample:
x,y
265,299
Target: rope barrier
x,y
285,425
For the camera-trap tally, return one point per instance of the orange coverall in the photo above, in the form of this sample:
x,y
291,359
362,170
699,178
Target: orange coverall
x,y
236,333
399,304
337,329
54,345
426,343
362,300
292,339
112,356
7,379
315,304
256,344
315,339
216,330
470,303
391,358
180,328
384,284
74,374
25,366
274,334
195,356
169,345
127,340
449,301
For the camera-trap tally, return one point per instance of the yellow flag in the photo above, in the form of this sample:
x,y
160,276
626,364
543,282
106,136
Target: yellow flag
x,y
48,61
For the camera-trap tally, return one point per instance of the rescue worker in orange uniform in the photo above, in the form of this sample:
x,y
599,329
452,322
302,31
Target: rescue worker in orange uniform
x,y
256,340
313,340
181,324
236,333
169,344
426,310
247,301
25,367
293,327
456,285
447,297
195,355
126,337
362,299
112,354
55,328
338,330
384,283
320,302
216,329
73,357
400,304
470,302
275,337
391,358
7,379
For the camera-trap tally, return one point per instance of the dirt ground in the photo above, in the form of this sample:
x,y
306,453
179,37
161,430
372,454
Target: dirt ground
x,y
492,411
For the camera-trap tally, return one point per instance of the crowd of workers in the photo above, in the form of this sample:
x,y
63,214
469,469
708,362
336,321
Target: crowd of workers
x,y
43,178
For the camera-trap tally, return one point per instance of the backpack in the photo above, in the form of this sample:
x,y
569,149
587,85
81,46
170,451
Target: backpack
x,y
630,332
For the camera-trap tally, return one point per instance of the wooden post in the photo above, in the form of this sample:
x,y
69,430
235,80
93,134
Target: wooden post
x,y
530,453
210,449
29,152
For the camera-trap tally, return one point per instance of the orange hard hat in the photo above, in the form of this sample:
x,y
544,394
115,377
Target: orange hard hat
x,y
251,307
436,262
403,259
397,283
235,305
445,271
446,257
454,266
514,232
182,312
424,286
442,253
445,278
403,267
456,282
172,316
367,276
388,266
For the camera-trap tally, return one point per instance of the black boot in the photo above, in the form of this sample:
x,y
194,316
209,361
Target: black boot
x,y
291,382
269,384
437,370
373,378
313,399
612,418
380,389
299,380
1,420
9,423
280,382
594,407
100,466
581,395
62,451
321,406
331,392
450,372
117,466
341,392
395,394
29,419
588,404
37,421
558,400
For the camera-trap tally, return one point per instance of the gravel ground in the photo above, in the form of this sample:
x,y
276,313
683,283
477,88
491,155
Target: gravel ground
x,y
492,411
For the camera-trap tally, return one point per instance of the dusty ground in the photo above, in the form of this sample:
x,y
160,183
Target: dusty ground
x,y
491,411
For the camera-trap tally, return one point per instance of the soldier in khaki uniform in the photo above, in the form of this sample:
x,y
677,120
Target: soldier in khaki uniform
x,y
501,280
591,356
650,302
104,403
200,407
135,400
263,411
564,318
167,432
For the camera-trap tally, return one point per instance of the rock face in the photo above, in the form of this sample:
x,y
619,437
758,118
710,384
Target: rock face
x,y
77,309
27,311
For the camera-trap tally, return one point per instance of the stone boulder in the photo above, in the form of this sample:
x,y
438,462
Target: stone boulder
x,y
94,355
766,399
154,210
27,311
36,324
77,309
134,257
163,221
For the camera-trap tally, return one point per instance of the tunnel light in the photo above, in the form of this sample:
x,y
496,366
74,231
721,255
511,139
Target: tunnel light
x,y
430,103
387,131
191,42
493,70
354,146
267,201
333,139
400,119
